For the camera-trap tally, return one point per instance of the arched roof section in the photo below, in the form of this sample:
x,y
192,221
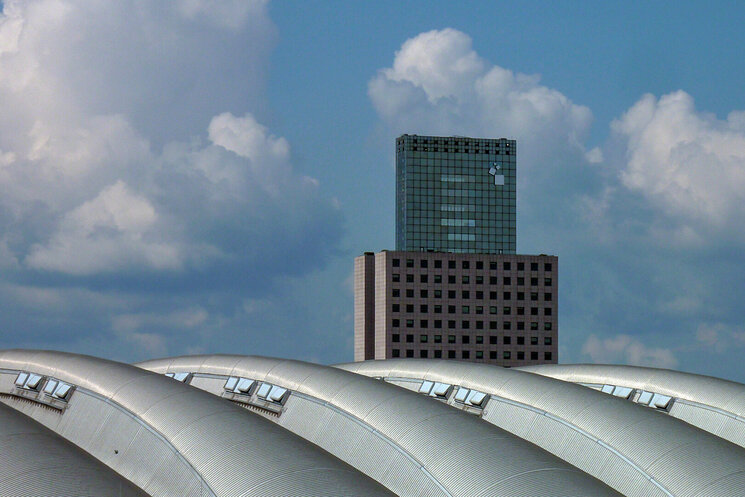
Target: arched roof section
x,y
36,462
630,447
408,443
168,438
712,404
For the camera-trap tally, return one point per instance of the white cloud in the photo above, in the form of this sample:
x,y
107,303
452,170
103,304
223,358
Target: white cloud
x,y
721,337
180,319
686,163
625,349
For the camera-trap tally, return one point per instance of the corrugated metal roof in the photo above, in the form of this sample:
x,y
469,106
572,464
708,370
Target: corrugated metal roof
x,y
171,439
632,448
412,445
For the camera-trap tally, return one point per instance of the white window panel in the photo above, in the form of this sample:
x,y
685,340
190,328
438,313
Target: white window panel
x,y
476,398
644,398
264,390
425,387
244,385
33,381
623,392
231,383
21,379
63,391
50,386
440,390
607,389
277,393
660,401
461,394
180,376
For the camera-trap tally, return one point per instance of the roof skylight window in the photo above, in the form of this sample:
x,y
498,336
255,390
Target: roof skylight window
x,y
660,401
607,389
440,390
623,392
21,379
63,391
50,386
244,385
476,398
644,398
264,390
231,383
182,377
277,394
33,382
425,387
461,394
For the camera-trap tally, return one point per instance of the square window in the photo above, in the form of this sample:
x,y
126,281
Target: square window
x,y
423,294
423,338
451,309
547,297
479,339
438,354
396,323
465,279
547,356
422,278
451,264
395,307
506,266
409,353
409,323
493,280
533,340
396,277
507,325
534,281
465,354
508,296
479,264
395,353
508,311
423,354
438,323
466,294
409,307
546,311
520,311
451,294
492,354
547,326
409,338
451,354
423,263
409,262
493,265
409,293
547,281
506,354
465,339
533,295
479,280
466,309
534,356
520,295
479,354
396,262
438,338
438,309
506,340
409,278
438,294
438,278
395,338
520,325
479,309
479,324
423,323
547,266
533,311
466,265
521,340
451,279
438,264
534,266
520,355
547,340
479,295
520,266
507,280
533,326
492,325
465,324
451,324
451,338
396,292
492,309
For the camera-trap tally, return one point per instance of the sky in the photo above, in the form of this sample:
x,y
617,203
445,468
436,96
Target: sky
x,y
197,176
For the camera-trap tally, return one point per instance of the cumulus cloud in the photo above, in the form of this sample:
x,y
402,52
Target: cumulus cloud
x,y
134,167
625,349
686,163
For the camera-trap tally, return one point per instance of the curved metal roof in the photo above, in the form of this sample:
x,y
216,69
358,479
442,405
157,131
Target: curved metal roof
x,y
630,447
712,404
35,462
168,438
409,443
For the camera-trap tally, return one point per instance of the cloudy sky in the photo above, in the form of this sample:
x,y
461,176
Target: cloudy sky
x,y
198,175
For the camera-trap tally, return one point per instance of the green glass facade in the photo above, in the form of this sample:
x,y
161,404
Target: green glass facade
x,y
456,194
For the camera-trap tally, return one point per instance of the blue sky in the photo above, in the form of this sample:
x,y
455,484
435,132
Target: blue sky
x,y
197,176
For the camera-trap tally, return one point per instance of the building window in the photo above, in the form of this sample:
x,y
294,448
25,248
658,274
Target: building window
x,y
493,280
451,338
466,265
533,326
547,281
409,338
396,262
465,324
507,311
479,295
451,294
547,340
534,356
395,338
423,263
396,323
492,309
409,323
395,353
479,339
423,338
492,325
520,325
547,297
466,309
533,295
451,324
546,311
438,294
438,264
506,266
438,278
451,309
409,293
451,354
451,279
507,296
547,266
534,266
479,324
465,339
396,277
465,279
409,307
507,325
547,356
466,294
521,356
533,340
507,280
493,340
493,265
506,340
520,266
533,281
409,353
409,262
520,295
423,294
423,308
422,278
521,340
465,354
396,292
438,309
479,354
492,295
451,264
479,264
438,323
506,354
547,326
533,311
438,338
520,281
423,354
409,278
479,309
438,354
423,323
492,354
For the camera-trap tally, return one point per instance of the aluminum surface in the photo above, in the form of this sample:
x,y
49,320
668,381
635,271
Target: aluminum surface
x,y
412,445
36,462
174,440
712,404
632,448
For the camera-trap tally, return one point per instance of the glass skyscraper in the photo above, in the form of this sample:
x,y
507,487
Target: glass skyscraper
x,y
456,194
